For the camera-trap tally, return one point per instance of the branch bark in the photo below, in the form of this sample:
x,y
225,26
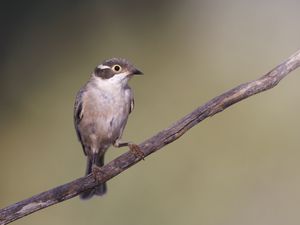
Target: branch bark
x,y
126,160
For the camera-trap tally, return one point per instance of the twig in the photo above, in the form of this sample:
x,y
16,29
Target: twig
x,y
126,160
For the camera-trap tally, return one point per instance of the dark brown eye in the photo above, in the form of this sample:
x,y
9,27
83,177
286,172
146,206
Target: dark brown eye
x,y
117,68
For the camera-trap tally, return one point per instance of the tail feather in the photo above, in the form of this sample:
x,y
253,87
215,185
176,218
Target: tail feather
x,y
100,189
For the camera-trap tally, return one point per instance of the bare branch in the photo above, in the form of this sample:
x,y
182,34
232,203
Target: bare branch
x,y
126,160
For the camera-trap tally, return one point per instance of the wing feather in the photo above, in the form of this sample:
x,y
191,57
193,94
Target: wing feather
x,y
131,100
78,115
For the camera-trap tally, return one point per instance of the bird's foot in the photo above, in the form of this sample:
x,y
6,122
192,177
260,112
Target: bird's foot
x,y
134,148
97,172
136,151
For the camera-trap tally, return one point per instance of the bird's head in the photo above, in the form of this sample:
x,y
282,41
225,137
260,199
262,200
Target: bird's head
x,y
116,70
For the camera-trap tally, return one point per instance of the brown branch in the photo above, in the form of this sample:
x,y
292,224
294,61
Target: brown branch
x,y
123,162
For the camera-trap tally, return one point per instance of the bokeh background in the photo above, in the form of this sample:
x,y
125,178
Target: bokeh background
x,y
238,167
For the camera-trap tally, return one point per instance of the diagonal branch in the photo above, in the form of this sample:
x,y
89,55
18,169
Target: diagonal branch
x,y
126,160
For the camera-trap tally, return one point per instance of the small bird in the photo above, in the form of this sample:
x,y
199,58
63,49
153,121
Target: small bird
x,y
101,110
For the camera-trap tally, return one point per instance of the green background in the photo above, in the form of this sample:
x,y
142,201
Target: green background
x,y
238,167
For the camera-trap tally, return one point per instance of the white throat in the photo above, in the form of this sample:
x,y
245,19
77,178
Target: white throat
x,y
115,83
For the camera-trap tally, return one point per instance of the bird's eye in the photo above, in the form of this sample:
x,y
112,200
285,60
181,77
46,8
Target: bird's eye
x,y
117,68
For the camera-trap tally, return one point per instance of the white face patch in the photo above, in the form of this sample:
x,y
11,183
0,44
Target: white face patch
x,y
102,67
119,78
117,81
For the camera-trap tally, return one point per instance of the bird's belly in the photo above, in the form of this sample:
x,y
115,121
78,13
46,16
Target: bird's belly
x,y
103,125
109,127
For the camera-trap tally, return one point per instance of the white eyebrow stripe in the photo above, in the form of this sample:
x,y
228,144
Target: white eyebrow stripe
x,y
103,67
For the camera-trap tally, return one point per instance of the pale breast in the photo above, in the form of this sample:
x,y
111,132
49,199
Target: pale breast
x,y
104,115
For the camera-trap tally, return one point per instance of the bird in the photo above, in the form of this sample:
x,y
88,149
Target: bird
x,y
101,110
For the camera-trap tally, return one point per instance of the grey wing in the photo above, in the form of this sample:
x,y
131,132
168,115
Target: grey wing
x,y
78,114
131,104
131,99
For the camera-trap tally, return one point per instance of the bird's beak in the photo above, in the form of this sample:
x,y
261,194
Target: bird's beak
x,y
135,71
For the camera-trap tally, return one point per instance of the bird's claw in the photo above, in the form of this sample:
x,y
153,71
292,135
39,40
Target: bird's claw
x,y
136,151
97,172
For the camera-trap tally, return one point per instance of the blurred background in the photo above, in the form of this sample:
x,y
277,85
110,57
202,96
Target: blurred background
x,y
238,167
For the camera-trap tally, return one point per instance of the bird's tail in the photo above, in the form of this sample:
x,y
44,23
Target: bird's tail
x,y
100,189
